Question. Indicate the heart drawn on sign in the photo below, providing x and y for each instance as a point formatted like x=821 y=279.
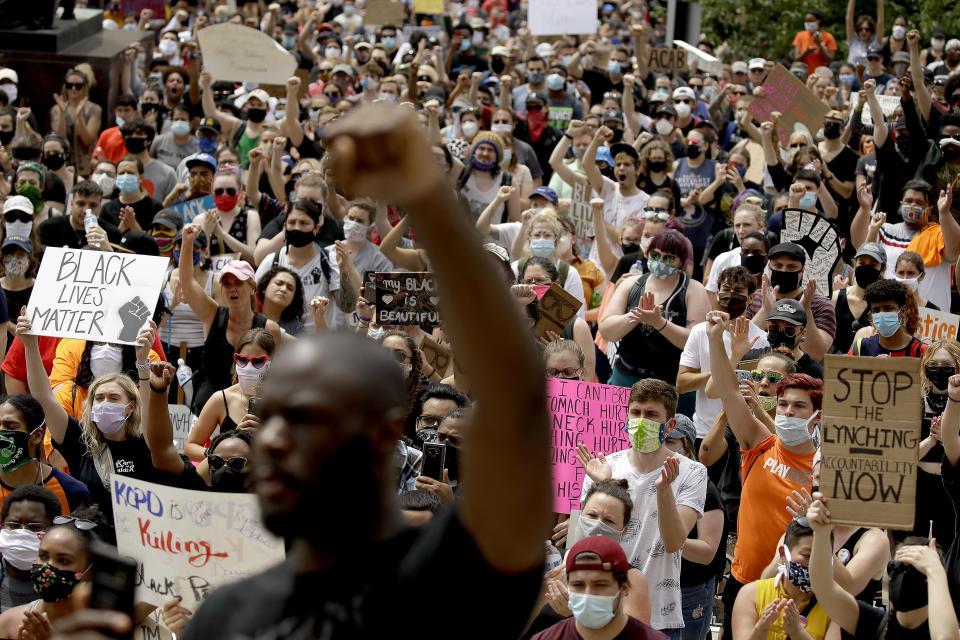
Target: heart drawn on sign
x=387 y=298
x=434 y=300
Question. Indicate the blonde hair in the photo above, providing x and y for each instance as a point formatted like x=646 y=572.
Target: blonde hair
x=756 y=210
x=951 y=346
x=561 y=345
x=548 y=218
x=91 y=436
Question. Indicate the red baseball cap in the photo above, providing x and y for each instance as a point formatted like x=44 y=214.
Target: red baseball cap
x=612 y=557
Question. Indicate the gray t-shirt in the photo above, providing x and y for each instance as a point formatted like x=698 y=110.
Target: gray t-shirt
x=164 y=179
x=166 y=150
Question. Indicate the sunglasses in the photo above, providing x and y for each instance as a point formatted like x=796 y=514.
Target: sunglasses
x=83 y=525
x=569 y=372
x=73 y=85
x=790 y=332
x=867 y=29
x=683 y=101
x=656 y=214
x=695 y=87
x=739 y=93
x=14 y=216
x=230 y=191
x=534 y=107
x=796 y=145
x=665 y=258
x=256 y=361
x=772 y=376
x=237 y=463
x=34 y=527
x=424 y=79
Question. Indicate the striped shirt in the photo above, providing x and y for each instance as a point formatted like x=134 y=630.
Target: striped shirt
x=824 y=314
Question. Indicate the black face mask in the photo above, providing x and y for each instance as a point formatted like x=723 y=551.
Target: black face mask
x=939 y=377
x=754 y=262
x=866 y=276
x=908 y=587
x=135 y=145
x=778 y=338
x=227 y=480
x=617 y=135
x=657 y=167
x=694 y=151
x=256 y=115
x=787 y=280
x=733 y=303
x=53 y=161
x=298 y=238
x=497 y=65
x=629 y=247
x=831 y=130
x=6 y=137
x=147 y=107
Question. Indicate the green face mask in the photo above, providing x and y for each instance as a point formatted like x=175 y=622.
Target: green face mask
x=646 y=435
x=33 y=194
x=768 y=402
x=14 y=449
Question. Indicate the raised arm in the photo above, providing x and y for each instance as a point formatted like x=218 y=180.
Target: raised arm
x=559 y=152
x=291 y=126
x=408 y=259
x=157 y=428
x=202 y=304
x=920 y=92
x=589 y=161
x=483 y=222
x=508 y=510
x=39 y=382
x=714 y=444
x=837 y=603
x=227 y=121
x=851 y=27
x=601 y=236
x=949 y=226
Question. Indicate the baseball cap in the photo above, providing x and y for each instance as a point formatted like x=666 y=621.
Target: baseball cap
x=260 y=95
x=799 y=67
x=684 y=92
x=603 y=155
x=874 y=250
x=536 y=96
x=168 y=218
x=684 y=431
x=546 y=192
x=544 y=49
x=345 y=68
x=363 y=44
x=9 y=74
x=500 y=50
x=140 y=242
x=874 y=51
x=612 y=557
x=952 y=43
x=901 y=56
x=18 y=203
x=17 y=241
x=667 y=109
x=657 y=96
x=202 y=158
x=756 y=63
x=788 y=310
x=739 y=67
x=622 y=147
x=210 y=124
x=789 y=249
x=238 y=269
x=612 y=114
x=938 y=32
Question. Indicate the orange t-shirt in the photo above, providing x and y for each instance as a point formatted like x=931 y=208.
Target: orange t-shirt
x=769 y=474
x=804 y=40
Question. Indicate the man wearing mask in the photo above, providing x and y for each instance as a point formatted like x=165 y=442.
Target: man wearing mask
x=665 y=128
x=839 y=164
x=28 y=511
x=693 y=174
x=875 y=69
x=245 y=134
x=537 y=131
x=172 y=147
x=536 y=70
x=365 y=255
x=387 y=36
x=684 y=102
x=678 y=484
x=110 y=143
x=577 y=144
x=208 y=141
x=499 y=57
x=785 y=331
x=893 y=316
x=451 y=433
x=465 y=58
x=132 y=209
x=158 y=178
x=563 y=106
x=581 y=66
x=787 y=261
x=68 y=230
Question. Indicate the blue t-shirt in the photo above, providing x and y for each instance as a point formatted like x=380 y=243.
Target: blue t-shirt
x=697 y=220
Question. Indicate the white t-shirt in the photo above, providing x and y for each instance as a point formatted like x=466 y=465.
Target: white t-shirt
x=642 y=541
x=507 y=233
x=315 y=283
x=617 y=209
x=696 y=355
x=368 y=258
x=723 y=261
x=935 y=285
x=572 y=285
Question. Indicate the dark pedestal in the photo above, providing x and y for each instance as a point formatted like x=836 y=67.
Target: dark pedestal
x=65 y=33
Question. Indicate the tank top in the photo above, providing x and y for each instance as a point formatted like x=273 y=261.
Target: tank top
x=847 y=325
x=237 y=230
x=813 y=617
x=218 y=354
x=644 y=351
x=932 y=407
x=228 y=423
x=478 y=200
x=845 y=554
x=183 y=324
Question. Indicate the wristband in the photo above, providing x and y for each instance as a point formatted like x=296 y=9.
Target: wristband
x=156 y=390
x=665 y=323
x=364 y=319
x=144 y=366
x=951 y=399
x=568 y=136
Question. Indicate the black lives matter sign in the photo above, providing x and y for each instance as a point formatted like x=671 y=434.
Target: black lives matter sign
x=407 y=298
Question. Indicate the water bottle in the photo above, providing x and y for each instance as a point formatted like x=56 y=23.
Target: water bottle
x=185 y=380
x=553 y=557
x=637 y=268
x=89 y=221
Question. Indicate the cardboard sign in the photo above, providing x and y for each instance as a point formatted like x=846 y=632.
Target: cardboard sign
x=437 y=355
x=580 y=212
x=871 y=433
x=187 y=543
x=662 y=59
x=239 y=53
x=588 y=413
x=705 y=62
x=820 y=238
x=888 y=104
x=937 y=325
x=559 y=17
x=385 y=12
x=428 y=6
x=407 y=298
x=556 y=309
x=800 y=109
x=183 y=422
x=92 y=295
x=219 y=261
x=192 y=208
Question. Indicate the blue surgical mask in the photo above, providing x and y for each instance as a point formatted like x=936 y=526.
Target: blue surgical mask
x=180 y=127
x=661 y=270
x=176 y=257
x=389 y=42
x=542 y=247
x=886 y=323
x=118 y=120
x=464 y=44
x=207 y=145
x=614 y=67
x=289 y=42
x=555 y=82
x=592 y=611
x=127 y=183
x=808 y=200
x=847 y=79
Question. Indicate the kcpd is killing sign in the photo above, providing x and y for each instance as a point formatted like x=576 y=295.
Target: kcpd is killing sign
x=871 y=435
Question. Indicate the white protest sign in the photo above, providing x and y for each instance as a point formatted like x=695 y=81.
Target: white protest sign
x=937 y=325
x=239 y=53
x=705 y=62
x=95 y=295
x=560 y=17
x=888 y=104
x=219 y=261
x=187 y=543
x=820 y=240
x=182 y=421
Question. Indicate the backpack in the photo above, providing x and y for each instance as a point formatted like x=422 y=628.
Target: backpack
x=324 y=262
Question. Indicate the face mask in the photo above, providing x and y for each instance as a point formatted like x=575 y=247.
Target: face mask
x=657 y=167
x=646 y=435
x=6 y=136
x=120 y=121
x=899 y=31
x=19 y=547
x=15 y=266
x=354 y=231
x=109 y=417
x=847 y=79
x=180 y=128
x=497 y=65
x=33 y=194
x=939 y=377
x=134 y=145
x=555 y=82
x=798 y=574
x=767 y=403
x=389 y=42
x=810 y=26
x=793 y=431
x=754 y=263
x=256 y=115
x=53 y=161
x=14 y=449
x=53 y=584
x=105 y=182
x=469 y=128
x=913 y=283
x=661 y=270
x=866 y=275
x=227 y=480
x=331 y=52
x=207 y=145
x=196 y=257
x=593 y=612
x=887 y=323
x=732 y=303
x=200 y=184
x=375 y=334
x=578 y=152
x=18 y=228
x=167 y=47
x=629 y=247
x=371 y=84
x=937 y=43
x=11 y=91
x=777 y=338
x=831 y=130
x=663 y=126
x=128 y=183
x=683 y=110
x=104 y=359
x=807 y=200
x=912 y=214
x=535 y=77
x=694 y=151
x=617 y=135
x=589 y=527
x=507 y=156
x=899 y=69
x=501 y=129
x=613 y=67
x=289 y=42
x=298 y=238
x=387 y=97
x=249 y=376
x=908 y=589
x=787 y=280
x=226 y=202
x=542 y=247
x=464 y=45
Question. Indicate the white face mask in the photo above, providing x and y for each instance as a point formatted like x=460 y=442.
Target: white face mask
x=19 y=547
x=794 y=431
x=913 y=283
x=470 y=128
x=354 y=231
x=249 y=376
x=663 y=126
x=589 y=527
x=810 y=26
x=683 y=109
x=386 y=97
x=501 y=129
x=375 y=334
x=11 y=91
x=168 y=47
x=104 y=359
x=18 y=228
x=331 y=52
x=899 y=31
x=105 y=181
x=937 y=43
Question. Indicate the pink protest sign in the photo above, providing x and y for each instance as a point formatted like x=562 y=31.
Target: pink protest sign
x=784 y=92
x=588 y=413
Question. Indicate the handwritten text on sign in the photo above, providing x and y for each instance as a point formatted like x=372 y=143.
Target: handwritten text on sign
x=407 y=298
x=783 y=92
x=937 y=325
x=588 y=413
x=93 y=295
x=871 y=433
x=239 y=53
x=192 y=208
x=189 y=542
x=182 y=421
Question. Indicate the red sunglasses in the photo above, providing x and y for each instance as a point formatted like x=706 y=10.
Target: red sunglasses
x=256 y=361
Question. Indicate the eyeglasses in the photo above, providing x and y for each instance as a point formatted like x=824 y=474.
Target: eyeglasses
x=569 y=372
x=73 y=85
x=663 y=257
x=656 y=214
x=237 y=463
x=429 y=421
x=35 y=527
x=83 y=525
x=542 y=281
x=14 y=216
x=772 y=376
x=796 y=145
x=401 y=356
x=230 y=191
x=865 y=28
x=256 y=361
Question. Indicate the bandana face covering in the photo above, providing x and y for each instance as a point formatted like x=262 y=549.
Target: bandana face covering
x=798 y=574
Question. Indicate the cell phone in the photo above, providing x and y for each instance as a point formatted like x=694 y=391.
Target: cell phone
x=743 y=376
x=370 y=292
x=112 y=583
x=255 y=405
x=434 y=459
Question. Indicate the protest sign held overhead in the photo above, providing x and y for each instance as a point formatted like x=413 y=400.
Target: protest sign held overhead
x=820 y=240
x=187 y=543
x=580 y=212
x=237 y=53
x=661 y=60
x=937 y=325
x=558 y=17
x=407 y=298
x=93 y=295
x=870 y=435
x=797 y=105
x=182 y=420
x=556 y=309
x=192 y=208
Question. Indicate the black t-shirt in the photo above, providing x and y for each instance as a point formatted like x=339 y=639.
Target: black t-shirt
x=425 y=581
x=54 y=189
x=599 y=82
x=951 y=483
x=471 y=62
x=58 y=232
x=694 y=573
x=809 y=366
x=874 y=623
x=144 y=210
